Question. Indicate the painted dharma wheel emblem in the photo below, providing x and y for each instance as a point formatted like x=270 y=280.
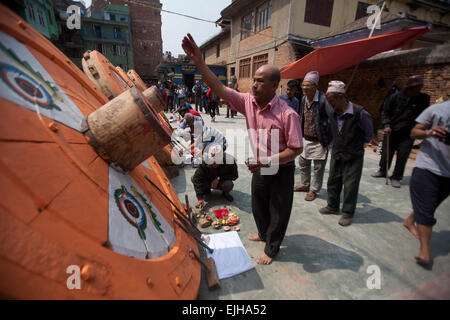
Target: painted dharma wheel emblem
x=135 y=208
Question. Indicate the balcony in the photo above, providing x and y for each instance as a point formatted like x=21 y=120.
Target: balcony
x=105 y=35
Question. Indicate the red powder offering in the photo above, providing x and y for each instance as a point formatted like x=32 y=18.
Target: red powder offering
x=220 y=213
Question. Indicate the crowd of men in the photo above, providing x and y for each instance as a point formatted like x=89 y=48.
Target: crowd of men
x=310 y=128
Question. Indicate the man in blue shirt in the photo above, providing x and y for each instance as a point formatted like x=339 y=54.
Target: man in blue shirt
x=289 y=97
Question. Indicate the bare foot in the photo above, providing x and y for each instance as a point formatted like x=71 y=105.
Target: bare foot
x=423 y=258
x=254 y=237
x=409 y=224
x=264 y=259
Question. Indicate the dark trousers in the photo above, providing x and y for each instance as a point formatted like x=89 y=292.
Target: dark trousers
x=212 y=109
x=203 y=188
x=272 y=197
x=427 y=191
x=198 y=103
x=205 y=104
x=345 y=174
x=170 y=100
x=233 y=113
x=402 y=143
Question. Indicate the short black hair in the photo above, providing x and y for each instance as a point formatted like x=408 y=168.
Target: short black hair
x=292 y=84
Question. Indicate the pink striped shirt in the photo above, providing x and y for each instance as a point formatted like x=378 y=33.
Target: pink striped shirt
x=275 y=115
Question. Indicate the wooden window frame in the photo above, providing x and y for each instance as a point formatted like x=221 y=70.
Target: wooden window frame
x=259 y=61
x=244 y=68
x=262 y=17
x=319 y=12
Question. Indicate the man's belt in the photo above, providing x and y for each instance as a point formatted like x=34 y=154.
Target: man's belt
x=315 y=139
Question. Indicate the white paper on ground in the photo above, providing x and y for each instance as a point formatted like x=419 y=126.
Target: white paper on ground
x=229 y=254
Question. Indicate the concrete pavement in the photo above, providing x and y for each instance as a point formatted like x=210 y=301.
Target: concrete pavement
x=320 y=259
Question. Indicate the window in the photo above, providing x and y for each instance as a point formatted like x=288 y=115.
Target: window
x=41 y=17
x=117 y=34
x=112 y=17
x=50 y=17
x=232 y=71
x=218 y=50
x=31 y=11
x=100 y=48
x=244 y=68
x=361 y=10
x=122 y=51
x=119 y=50
x=247 y=24
x=319 y=12
x=97 y=31
x=257 y=20
x=263 y=16
x=259 y=61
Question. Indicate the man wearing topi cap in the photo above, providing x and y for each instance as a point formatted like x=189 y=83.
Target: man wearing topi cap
x=314 y=110
x=351 y=127
x=398 y=118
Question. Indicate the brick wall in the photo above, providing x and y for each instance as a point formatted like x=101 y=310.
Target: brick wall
x=211 y=52
x=280 y=58
x=364 y=89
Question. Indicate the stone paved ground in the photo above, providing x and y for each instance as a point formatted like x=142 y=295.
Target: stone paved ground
x=320 y=259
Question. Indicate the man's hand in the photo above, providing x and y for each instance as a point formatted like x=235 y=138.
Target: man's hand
x=438 y=132
x=387 y=129
x=255 y=167
x=200 y=204
x=215 y=183
x=192 y=50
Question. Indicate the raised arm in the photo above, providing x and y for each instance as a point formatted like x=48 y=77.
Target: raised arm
x=194 y=53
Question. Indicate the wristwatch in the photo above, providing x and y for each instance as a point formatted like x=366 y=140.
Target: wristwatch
x=268 y=163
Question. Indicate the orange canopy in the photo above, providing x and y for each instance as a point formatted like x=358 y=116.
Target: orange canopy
x=329 y=60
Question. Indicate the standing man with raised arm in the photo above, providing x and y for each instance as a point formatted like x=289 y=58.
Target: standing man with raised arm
x=272 y=195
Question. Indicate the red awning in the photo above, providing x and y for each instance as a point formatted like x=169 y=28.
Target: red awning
x=329 y=60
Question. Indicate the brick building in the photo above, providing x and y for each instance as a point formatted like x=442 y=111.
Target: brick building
x=145 y=19
x=376 y=75
x=280 y=32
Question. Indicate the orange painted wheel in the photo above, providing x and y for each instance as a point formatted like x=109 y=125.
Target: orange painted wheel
x=132 y=74
x=124 y=77
x=103 y=74
x=66 y=213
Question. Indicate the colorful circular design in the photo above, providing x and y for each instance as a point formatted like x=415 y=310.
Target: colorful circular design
x=26 y=86
x=131 y=209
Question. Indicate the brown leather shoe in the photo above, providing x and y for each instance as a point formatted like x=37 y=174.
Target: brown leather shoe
x=301 y=188
x=310 y=196
x=345 y=220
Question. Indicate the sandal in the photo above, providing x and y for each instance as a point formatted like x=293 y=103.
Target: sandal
x=310 y=196
x=301 y=188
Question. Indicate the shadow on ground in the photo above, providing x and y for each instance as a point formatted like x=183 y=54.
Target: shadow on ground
x=244 y=282
x=373 y=214
x=318 y=255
